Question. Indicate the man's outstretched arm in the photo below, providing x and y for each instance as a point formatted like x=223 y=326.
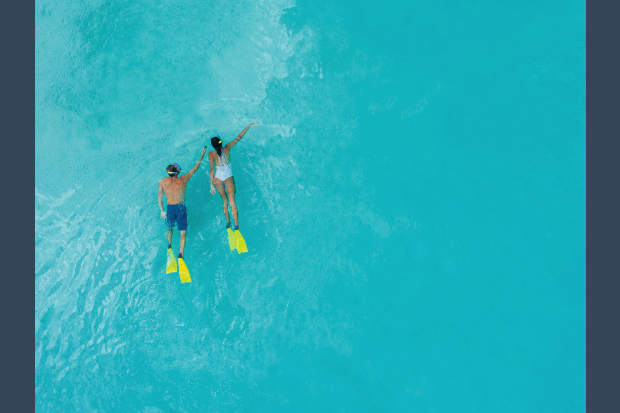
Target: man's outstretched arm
x=195 y=168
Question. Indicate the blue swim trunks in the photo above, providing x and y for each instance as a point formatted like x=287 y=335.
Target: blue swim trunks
x=177 y=213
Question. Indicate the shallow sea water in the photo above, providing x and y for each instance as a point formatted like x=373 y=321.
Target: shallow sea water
x=413 y=202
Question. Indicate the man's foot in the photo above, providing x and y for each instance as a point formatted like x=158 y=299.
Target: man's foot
x=228 y=225
x=236 y=227
x=169 y=246
x=180 y=255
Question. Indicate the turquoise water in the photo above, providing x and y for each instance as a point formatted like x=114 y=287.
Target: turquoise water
x=413 y=202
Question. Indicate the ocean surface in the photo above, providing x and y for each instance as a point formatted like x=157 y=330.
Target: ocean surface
x=413 y=202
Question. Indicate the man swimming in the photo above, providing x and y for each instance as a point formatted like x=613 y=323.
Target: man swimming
x=221 y=174
x=174 y=187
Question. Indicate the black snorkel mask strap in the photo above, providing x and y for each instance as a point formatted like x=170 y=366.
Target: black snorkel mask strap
x=178 y=170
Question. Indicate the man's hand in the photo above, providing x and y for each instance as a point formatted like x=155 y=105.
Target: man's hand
x=192 y=171
x=163 y=214
x=254 y=124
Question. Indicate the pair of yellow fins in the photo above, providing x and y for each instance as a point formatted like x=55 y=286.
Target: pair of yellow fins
x=235 y=241
x=171 y=266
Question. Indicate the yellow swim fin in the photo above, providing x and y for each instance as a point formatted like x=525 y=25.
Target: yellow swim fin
x=232 y=239
x=171 y=262
x=241 y=247
x=184 y=272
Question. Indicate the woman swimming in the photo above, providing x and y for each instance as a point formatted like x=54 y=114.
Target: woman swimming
x=222 y=175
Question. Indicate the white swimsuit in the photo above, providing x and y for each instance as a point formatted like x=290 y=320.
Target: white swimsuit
x=223 y=171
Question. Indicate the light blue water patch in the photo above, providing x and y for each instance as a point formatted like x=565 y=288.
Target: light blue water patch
x=413 y=202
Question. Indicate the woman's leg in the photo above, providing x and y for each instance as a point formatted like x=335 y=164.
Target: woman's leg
x=232 y=191
x=219 y=185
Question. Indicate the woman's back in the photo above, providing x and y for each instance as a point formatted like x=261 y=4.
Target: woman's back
x=221 y=161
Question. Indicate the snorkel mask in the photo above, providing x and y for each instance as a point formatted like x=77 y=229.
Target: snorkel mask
x=175 y=172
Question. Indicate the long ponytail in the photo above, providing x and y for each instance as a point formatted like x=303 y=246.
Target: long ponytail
x=216 y=142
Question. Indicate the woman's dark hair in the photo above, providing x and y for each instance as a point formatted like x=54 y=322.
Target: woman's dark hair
x=216 y=142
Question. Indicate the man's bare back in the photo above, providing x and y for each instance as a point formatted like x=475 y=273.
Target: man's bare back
x=174 y=188
x=174 y=185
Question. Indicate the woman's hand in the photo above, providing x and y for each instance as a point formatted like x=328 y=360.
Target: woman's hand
x=212 y=190
x=233 y=143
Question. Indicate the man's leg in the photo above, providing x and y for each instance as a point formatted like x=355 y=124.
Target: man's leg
x=170 y=220
x=182 y=243
x=182 y=223
x=169 y=236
